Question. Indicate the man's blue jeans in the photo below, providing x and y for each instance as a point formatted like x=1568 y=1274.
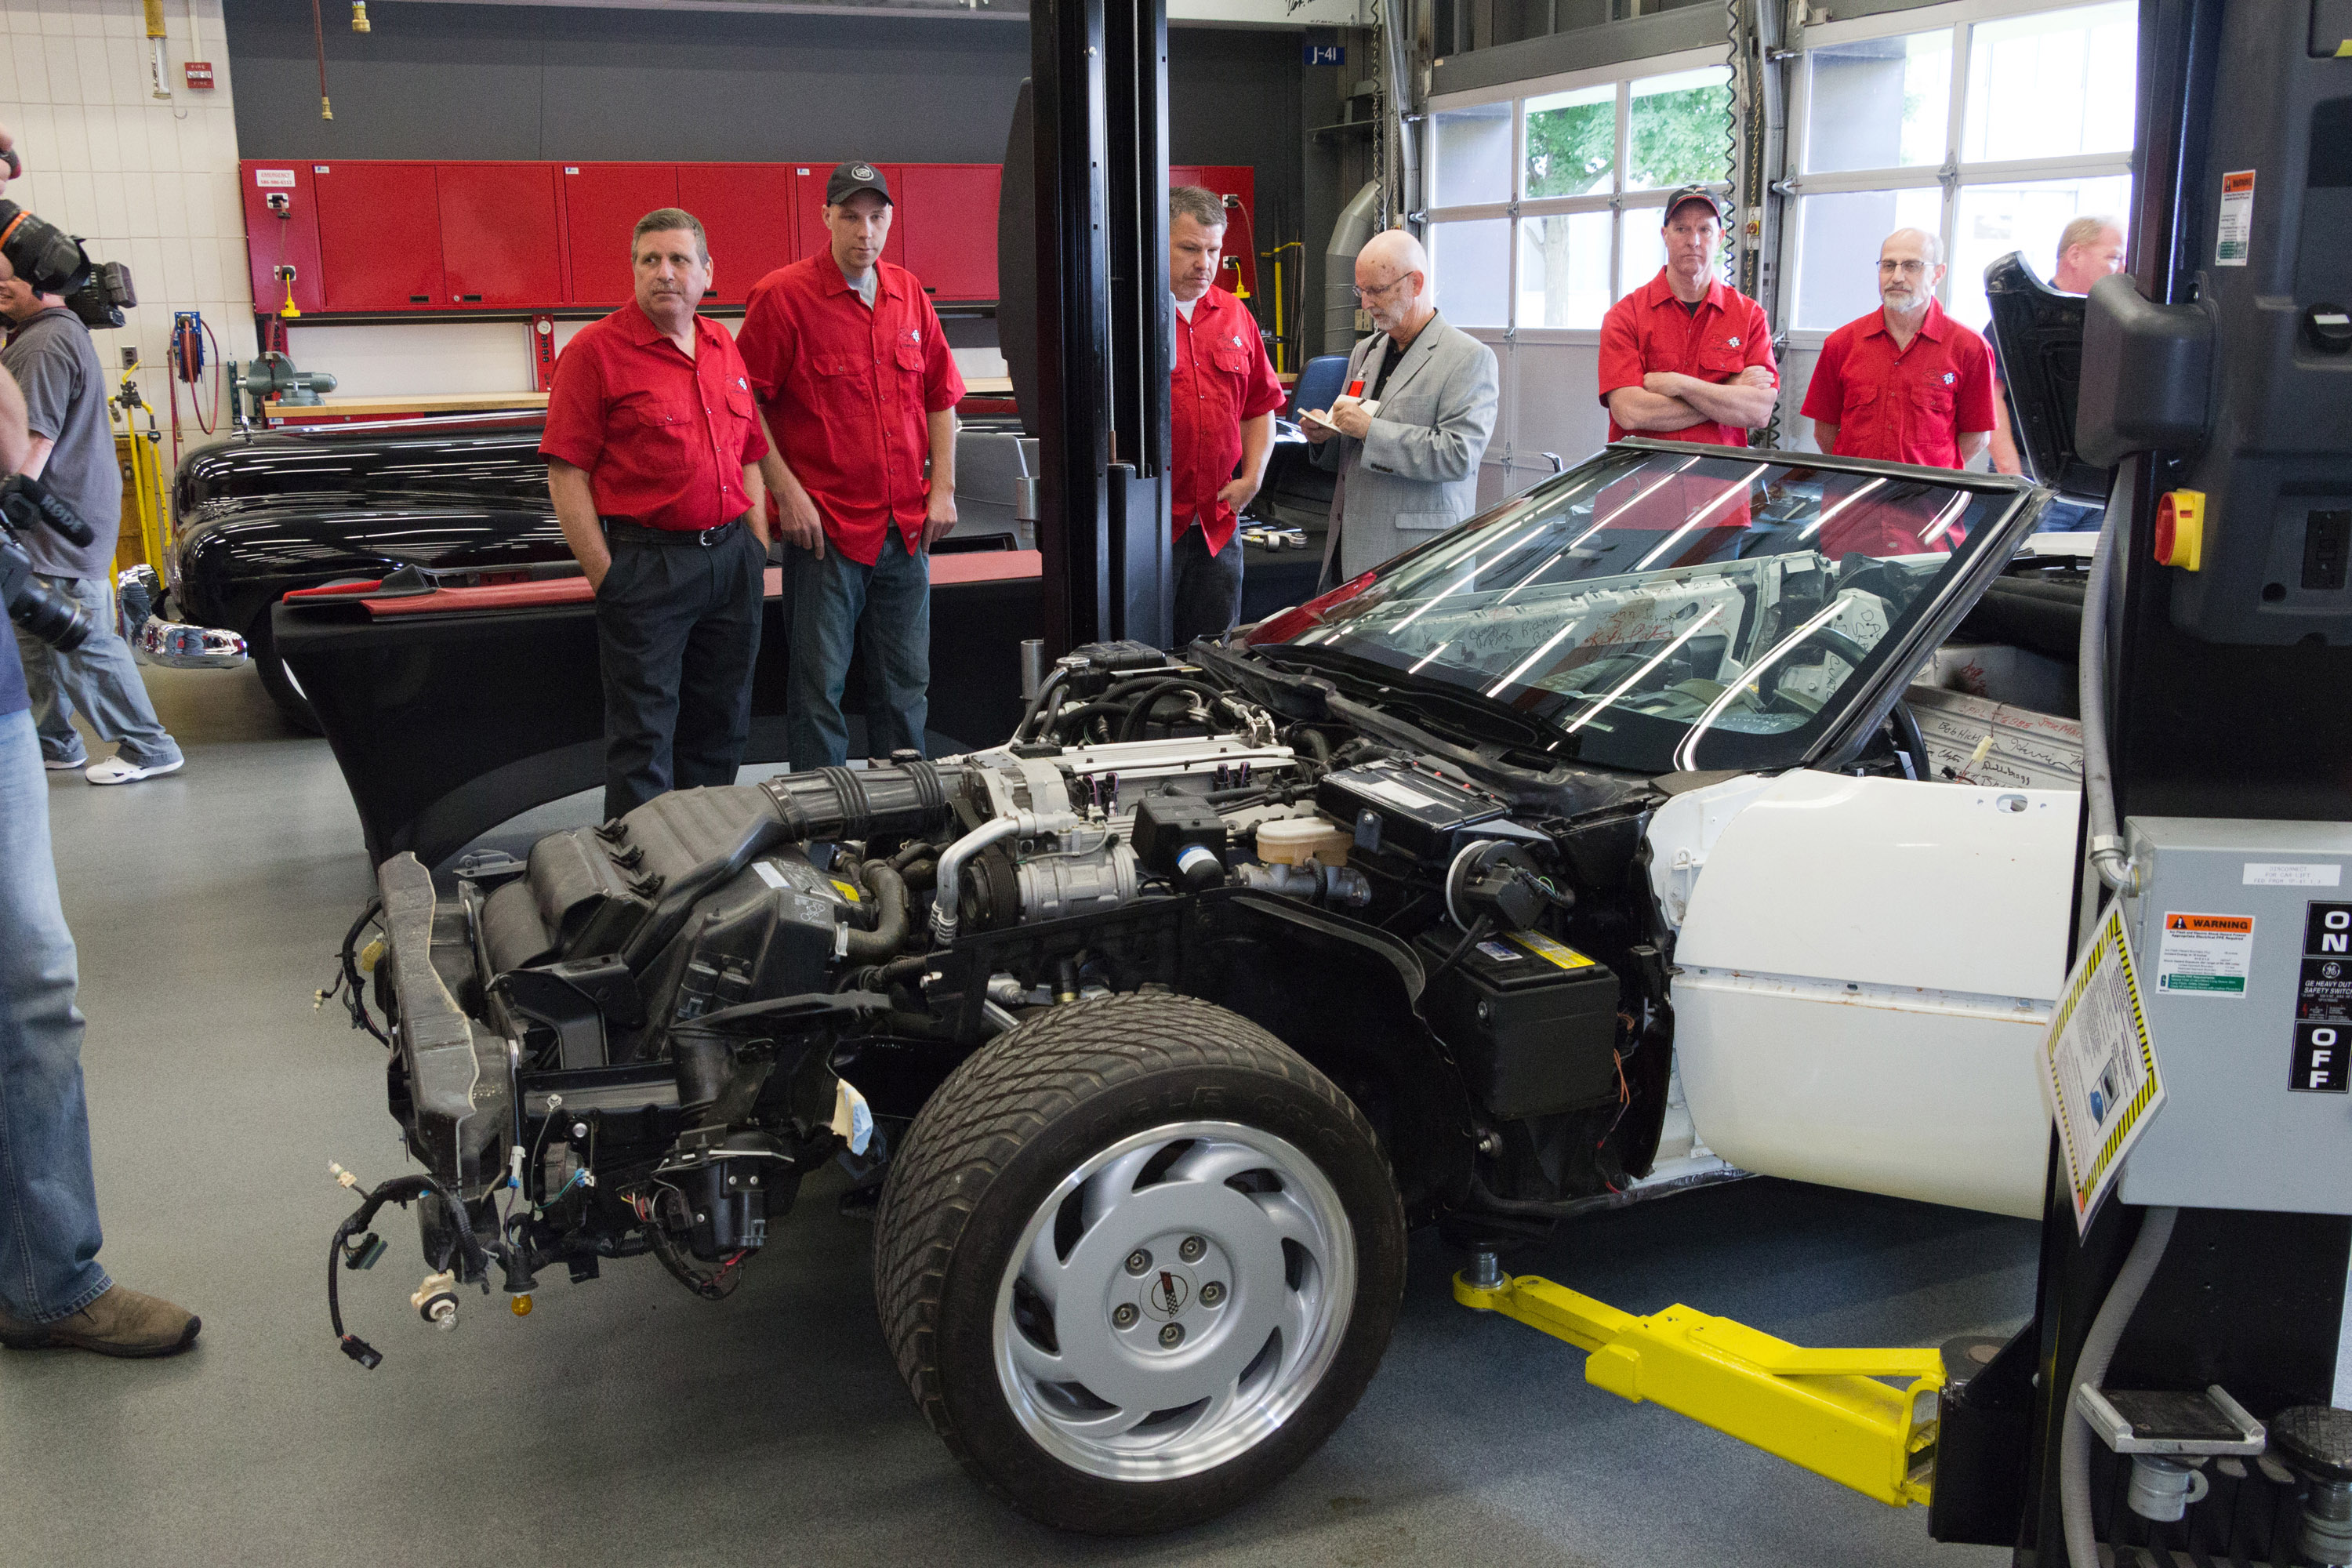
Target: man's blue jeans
x=883 y=611
x=48 y=1201
x=101 y=679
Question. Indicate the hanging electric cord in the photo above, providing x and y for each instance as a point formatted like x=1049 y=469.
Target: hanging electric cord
x=348 y=983
x=2107 y=853
x=2091 y=1367
x=319 y=31
x=403 y=1191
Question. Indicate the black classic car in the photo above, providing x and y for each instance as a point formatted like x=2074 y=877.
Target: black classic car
x=263 y=515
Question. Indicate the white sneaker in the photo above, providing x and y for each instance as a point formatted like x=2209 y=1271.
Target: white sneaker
x=114 y=771
x=57 y=767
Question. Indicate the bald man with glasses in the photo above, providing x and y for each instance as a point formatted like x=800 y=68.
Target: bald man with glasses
x=1906 y=382
x=1407 y=441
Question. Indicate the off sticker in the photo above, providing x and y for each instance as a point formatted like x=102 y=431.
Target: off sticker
x=2323 y=1054
x=1559 y=952
x=2233 y=241
x=2205 y=955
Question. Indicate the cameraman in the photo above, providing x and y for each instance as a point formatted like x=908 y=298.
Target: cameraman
x=52 y=1291
x=49 y=352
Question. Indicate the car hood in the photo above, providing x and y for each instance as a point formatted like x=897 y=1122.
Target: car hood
x=2038 y=331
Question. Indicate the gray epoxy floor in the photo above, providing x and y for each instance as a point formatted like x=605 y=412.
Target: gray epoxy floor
x=626 y=1423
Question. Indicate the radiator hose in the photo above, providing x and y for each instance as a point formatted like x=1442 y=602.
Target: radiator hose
x=889 y=932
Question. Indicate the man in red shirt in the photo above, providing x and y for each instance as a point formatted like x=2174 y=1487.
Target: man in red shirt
x=1906 y=384
x=1684 y=356
x=1221 y=404
x=653 y=447
x=858 y=392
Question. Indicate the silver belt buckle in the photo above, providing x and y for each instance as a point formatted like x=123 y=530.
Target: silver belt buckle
x=703 y=538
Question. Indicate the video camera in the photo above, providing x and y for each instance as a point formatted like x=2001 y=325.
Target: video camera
x=54 y=262
x=32 y=603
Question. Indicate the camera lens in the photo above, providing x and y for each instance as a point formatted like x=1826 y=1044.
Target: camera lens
x=50 y=616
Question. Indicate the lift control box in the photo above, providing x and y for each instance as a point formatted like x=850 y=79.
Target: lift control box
x=2241 y=939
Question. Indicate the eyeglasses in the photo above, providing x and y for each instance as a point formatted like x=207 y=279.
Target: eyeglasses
x=1910 y=268
x=1365 y=296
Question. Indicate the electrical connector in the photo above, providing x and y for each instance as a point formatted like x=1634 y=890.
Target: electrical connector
x=359 y=1350
x=363 y=1252
x=342 y=1178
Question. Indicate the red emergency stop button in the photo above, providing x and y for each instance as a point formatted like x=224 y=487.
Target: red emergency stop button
x=2180 y=530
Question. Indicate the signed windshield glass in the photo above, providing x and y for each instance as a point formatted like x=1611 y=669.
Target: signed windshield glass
x=1665 y=611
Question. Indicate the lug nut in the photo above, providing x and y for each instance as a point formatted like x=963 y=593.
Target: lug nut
x=1123 y=1315
x=1139 y=1262
x=1172 y=1335
x=1212 y=1294
x=1192 y=1248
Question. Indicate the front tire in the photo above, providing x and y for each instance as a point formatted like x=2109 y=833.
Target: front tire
x=1136 y=1261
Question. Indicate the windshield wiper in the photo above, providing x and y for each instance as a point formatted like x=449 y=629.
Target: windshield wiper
x=1483 y=718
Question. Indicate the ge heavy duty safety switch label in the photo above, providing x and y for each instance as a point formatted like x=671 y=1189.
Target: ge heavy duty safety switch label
x=2205 y=955
x=2322 y=1004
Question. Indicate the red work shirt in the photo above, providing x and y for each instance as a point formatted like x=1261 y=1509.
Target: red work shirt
x=1907 y=404
x=1650 y=329
x=1221 y=378
x=848 y=390
x=664 y=439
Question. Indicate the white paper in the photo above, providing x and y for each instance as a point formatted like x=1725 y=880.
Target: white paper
x=2260 y=874
x=768 y=874
x=2099 y=1079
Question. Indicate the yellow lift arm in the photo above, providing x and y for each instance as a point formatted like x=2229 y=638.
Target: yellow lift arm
x=1826 y=1410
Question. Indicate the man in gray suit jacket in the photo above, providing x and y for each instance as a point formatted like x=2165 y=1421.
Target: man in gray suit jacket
x=1410 y=470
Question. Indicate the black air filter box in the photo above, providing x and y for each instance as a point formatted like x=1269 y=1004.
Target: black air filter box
x=1532 y=1023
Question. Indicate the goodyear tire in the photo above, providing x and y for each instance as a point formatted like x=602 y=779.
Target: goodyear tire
x=1137 y=1259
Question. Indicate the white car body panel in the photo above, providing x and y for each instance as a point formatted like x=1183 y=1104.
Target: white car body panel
x=1864 y=970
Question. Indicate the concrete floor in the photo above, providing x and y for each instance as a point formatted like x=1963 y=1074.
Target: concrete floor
x=626 y=1423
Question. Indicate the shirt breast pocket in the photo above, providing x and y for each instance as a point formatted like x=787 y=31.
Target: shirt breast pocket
x=1720 y=359
x=1861 y=405
x=910 y=356
x=654 y=419
x=843 y=383
x=1231 y=360
x=1933 y=399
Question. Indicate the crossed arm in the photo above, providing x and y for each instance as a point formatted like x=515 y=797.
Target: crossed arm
x=1667 y=401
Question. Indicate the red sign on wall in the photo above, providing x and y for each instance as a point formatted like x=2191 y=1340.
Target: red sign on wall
x=200 y=75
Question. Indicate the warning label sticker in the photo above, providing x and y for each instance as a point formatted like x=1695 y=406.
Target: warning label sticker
x=2205 y=955
x=2099 y=1081
x=1560 y=953
x=2234 y=239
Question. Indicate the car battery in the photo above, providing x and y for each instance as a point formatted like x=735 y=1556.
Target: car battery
x=1531 y=1022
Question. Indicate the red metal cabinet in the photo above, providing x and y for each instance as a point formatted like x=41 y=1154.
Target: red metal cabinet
x=809 y=183
x=747 y=210
x=602 y=205
x=950 y=214
x=499 y=244
x=379 y=236
x=292 y=238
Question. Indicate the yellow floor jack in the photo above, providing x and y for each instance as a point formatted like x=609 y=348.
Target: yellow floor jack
x=1831 y=1411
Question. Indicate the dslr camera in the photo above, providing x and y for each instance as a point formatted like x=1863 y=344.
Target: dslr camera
x=32 y=604
x=54 y=262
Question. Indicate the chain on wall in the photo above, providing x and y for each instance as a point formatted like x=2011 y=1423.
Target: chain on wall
x=1378 y=36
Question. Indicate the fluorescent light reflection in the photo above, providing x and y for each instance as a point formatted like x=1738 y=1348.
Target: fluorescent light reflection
x=1689 y=748
x=1737 y=491
x=1655 y=660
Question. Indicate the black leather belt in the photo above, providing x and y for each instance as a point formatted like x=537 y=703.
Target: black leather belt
x=620 y=531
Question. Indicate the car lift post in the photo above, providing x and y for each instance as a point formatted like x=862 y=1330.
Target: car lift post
x=1104 y=331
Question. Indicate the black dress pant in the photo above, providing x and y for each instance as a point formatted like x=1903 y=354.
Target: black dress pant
x=677 y=630
x=1208 y=599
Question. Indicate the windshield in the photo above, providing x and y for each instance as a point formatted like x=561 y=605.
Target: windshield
x=1660 y=611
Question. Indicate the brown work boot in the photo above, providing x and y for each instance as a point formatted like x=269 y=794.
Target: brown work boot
x=121 y=1324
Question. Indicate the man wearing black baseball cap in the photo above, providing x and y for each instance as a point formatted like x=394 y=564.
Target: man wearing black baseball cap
x=858 y=392
x=1685 y=355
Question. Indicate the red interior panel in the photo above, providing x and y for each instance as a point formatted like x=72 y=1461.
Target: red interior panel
x=747 y=210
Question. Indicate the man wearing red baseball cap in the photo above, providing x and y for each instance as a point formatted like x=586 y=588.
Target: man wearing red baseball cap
x=1685 y=356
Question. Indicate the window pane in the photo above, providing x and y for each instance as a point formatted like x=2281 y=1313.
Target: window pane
x=2052 y=85
x=1680 y=130
x=1472 y=263
x=1837 y=249
x=1564 y=269
x=1573 y=142
x=1885 y=103
x=1473 y=155
x=1640 y=248
x=1997 y=219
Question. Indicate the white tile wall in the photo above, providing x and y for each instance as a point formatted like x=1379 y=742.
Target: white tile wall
x=147 y=182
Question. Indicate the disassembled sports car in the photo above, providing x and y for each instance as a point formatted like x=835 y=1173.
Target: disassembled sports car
x=1587 y=852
